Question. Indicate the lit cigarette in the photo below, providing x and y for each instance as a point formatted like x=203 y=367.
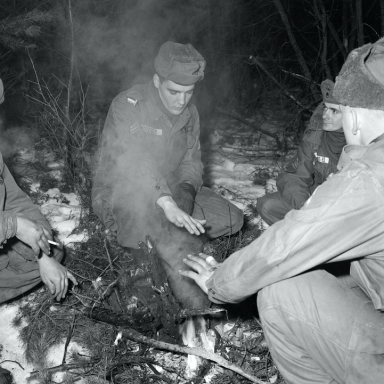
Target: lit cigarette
x=53 y=242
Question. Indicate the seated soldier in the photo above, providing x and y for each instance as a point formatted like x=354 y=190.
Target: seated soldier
x=319 y=328
x=25 y=255
x=150 y=167
x=316 y=159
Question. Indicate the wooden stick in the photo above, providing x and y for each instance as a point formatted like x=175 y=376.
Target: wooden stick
x=136 y=336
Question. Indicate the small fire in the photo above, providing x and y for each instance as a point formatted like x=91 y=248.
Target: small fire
x=194 y=334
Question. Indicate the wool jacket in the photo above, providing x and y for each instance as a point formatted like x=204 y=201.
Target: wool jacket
x=310 y=167
x=342 y=220
x=14 y=202
x=141 y=145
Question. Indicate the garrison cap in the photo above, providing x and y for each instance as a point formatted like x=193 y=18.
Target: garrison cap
x=360 y=83
x=180 y=63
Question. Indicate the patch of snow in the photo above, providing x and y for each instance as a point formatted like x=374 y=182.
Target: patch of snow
x=13 y=349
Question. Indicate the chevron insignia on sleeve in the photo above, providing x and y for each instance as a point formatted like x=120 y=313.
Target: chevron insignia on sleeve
x=132 y=101
x=134 y=127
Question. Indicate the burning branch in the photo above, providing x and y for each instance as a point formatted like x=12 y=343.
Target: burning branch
x=136 y=336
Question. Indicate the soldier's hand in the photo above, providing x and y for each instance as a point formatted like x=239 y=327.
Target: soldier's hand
x=203 y=268
x=178 y=217
x=55 y=276
x=33 y=234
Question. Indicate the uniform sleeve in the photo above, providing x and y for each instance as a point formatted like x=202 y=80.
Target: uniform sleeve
x=124 y=152
x=18 y=203
x=191 y=167
x=309 y=237
x=295 y=188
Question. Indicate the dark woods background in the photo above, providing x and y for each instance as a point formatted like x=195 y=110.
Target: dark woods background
x=63 y=61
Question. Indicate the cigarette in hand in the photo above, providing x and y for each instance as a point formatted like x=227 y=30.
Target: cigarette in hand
x=53 y=242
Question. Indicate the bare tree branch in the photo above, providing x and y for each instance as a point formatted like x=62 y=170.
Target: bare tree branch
x=295 y=46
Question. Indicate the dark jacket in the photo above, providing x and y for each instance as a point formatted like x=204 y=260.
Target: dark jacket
x=141 y=146
x=312 y=165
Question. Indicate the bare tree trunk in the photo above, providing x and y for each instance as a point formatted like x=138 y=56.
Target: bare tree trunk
x=67 y=133
x=295 y=46
x=345 y=25
x=353 y=25
x=332 y=30
x=382 y=16
x=322 y=18
x=360 y=25
x=71 y=62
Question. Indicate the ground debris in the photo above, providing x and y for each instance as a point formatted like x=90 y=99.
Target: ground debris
x=138 y=354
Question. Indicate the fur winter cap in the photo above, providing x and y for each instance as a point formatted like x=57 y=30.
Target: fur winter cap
x=360 y=83
x=327 y=92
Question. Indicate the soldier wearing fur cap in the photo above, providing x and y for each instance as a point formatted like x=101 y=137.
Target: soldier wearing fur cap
x=321 y=328
x=316 y=158
x=150 y=157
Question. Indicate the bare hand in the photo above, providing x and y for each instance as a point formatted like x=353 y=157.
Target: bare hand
x=55 y=276
x=34 y=234
x=204 y=267
x=178 y=217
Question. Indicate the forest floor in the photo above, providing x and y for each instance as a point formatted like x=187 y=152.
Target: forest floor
x=47 y=342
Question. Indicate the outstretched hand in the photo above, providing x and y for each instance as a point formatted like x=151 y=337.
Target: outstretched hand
x=180 y=218
x=204 y=267
x=55 y=276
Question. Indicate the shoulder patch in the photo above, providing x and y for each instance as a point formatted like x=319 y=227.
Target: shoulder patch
x=132 y=101
x=134 y=127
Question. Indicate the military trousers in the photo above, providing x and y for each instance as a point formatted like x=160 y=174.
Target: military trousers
x=322 y=330
x=19 y=271
x=272 y=208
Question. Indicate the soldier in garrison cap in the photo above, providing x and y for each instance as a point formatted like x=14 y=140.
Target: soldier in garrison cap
x=316 y=158
x=150 y=157
x=323 y=328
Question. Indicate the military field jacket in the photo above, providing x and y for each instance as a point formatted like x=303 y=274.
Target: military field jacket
x=310 y=167
x=342 y=220
x=140 y=144
x=14 y=202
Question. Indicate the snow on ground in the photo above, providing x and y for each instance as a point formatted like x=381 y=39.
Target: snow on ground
x=231 y=173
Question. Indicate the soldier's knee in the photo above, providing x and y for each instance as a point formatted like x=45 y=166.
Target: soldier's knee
x=237 y=218
x=264 y=205
x=280 y=294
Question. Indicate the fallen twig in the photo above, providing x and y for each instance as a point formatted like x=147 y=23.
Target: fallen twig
x=115 y=289
x=136 y=336
x=69 y=336
x=12 y=361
